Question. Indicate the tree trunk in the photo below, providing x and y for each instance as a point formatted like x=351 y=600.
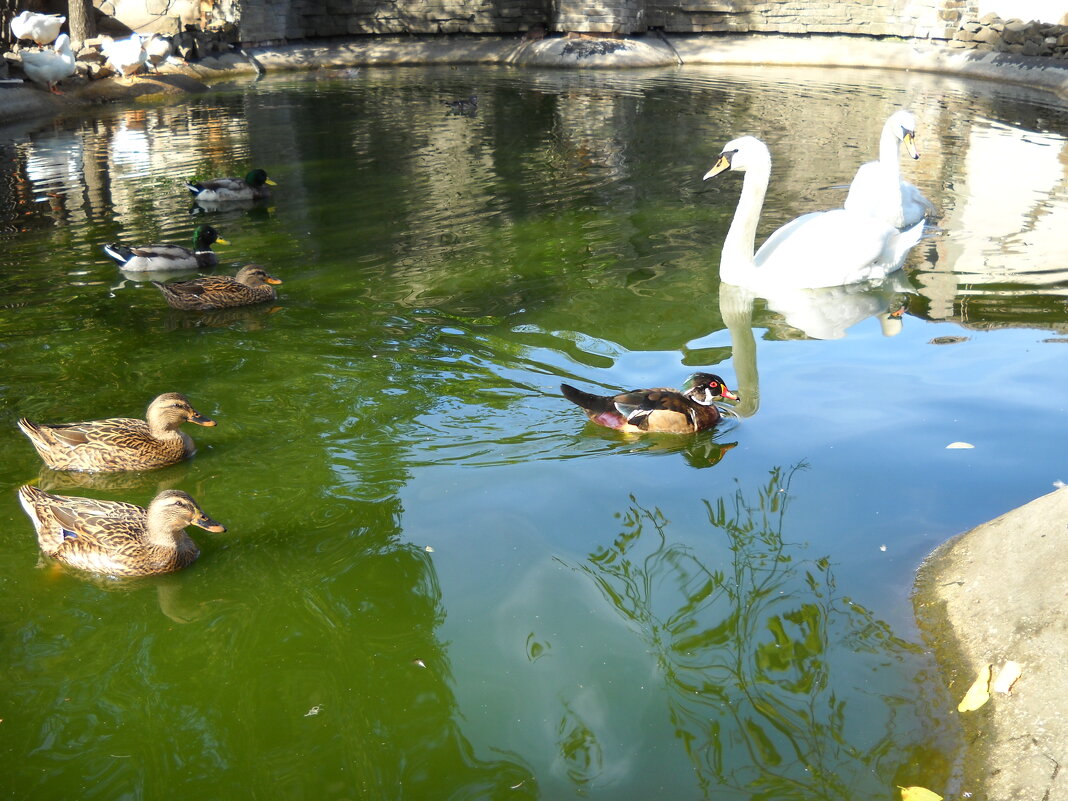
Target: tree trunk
x=81 y=21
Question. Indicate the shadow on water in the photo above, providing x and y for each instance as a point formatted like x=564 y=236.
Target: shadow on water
x=777 y=686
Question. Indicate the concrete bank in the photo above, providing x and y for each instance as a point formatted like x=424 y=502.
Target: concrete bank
x=19 y=103
x=998 y=593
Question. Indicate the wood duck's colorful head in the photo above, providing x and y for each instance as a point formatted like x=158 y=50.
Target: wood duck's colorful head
x=704 y=388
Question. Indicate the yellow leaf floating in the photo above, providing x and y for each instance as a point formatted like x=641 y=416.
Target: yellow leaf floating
x=1007 y=677
x=978 y=694
x=918 y=794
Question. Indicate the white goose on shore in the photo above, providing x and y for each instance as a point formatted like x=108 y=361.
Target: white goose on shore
x=41 y=28
x=48 y=67
x=126 y=56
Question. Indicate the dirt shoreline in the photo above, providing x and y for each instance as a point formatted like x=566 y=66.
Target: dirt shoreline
x=973 y=610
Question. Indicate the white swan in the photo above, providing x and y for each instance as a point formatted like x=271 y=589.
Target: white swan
x=42 y=28
x=825 y=248
x=49 y=66
x=877 y=188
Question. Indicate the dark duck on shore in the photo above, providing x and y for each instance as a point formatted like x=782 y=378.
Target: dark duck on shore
x=661 y=409
x=115 y=538
x=160 y=258
x=254 y=186
x=251 y=285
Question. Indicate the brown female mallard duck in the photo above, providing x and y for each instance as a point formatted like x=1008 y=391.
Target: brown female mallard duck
x=659 y=409
x=251 y=285
x=115 y=538
x=157 y=258
x=119 y=443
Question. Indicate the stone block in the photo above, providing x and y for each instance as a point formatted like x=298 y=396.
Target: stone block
x=988 y=36
x=964 y=36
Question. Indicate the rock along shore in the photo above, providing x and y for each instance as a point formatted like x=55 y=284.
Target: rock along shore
x=993 y=593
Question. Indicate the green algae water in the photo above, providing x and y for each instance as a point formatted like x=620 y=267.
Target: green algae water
x=440 y=582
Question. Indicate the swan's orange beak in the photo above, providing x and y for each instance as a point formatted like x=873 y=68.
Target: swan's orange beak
x=723 y=163
x=910 y=144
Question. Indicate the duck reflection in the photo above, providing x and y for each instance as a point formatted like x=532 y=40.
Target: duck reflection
x=151 y=482
x=247 y=318
x=767 y=672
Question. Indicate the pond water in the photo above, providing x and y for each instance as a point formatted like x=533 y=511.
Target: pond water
x=439 y=581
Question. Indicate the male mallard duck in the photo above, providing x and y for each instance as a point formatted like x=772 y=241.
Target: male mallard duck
x=119 y=443
x=251 y=285
x=660 y=409
x=252 y=187
x=115 y=538
x=152 y=258
x=126 y=56
x=42 y=28
x=49 y=67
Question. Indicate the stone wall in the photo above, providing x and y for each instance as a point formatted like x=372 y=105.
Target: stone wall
x=958 y=22
x=272 y=20
x=1032 y=38
x=923 y=19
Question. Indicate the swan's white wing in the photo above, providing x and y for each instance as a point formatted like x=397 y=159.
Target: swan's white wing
x=914 y=206
x=877 y=190
x=830 y=248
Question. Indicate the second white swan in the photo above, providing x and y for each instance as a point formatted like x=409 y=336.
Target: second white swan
x=878 y=189
x=825 y=248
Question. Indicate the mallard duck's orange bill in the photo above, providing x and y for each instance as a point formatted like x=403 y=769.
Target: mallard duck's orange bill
x=272 y=280
x=201 y=420
x=208 y=524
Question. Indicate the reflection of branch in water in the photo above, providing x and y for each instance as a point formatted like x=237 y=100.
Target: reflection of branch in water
x=759 y=658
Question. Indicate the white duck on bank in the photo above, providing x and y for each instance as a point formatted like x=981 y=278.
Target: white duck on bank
x=825 y=248
x=877 y=188
x=158 y=49
x=41 y=28
x=48 y=67
x=126 y=56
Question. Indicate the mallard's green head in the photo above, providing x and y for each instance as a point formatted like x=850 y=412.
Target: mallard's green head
x=205 y=236
x=258 y=178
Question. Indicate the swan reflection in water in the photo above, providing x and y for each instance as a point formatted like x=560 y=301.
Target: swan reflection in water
x=825 y=313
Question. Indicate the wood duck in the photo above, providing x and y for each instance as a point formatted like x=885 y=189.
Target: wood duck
x=251 y=285
x=159 y=258
x=119 y=443
x=659 y=409
x=116 y=538
x=253 y=186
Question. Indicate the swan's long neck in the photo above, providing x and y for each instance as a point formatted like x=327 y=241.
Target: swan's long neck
x=739 y=245
x=890 y=149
